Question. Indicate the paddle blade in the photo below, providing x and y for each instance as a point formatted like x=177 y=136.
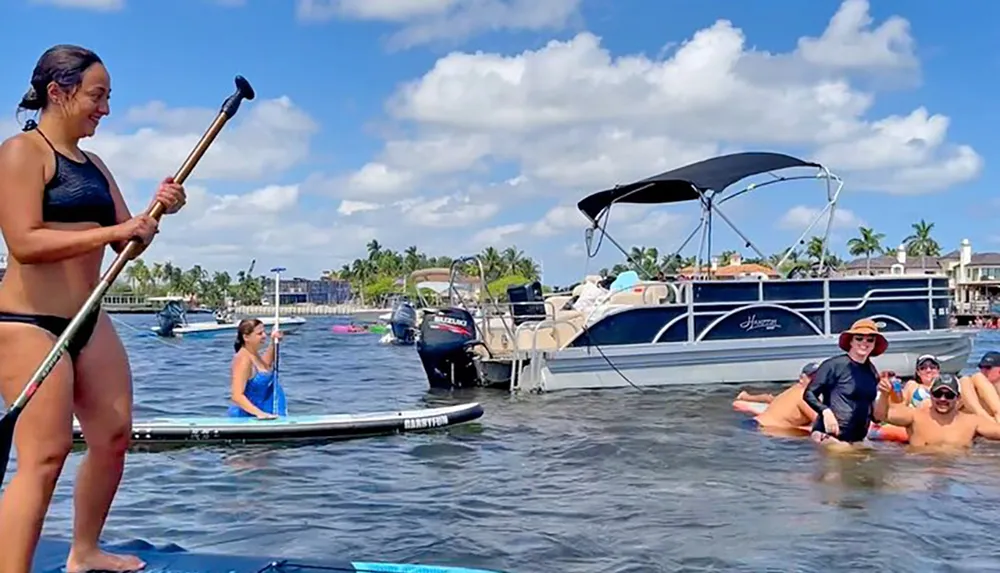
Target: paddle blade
x=7 y=424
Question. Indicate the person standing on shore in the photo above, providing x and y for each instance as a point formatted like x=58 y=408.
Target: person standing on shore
x=61 y=208
x=844 y=388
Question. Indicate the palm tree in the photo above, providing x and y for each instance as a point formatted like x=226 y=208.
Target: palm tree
x=868 y=243
x=921 y=244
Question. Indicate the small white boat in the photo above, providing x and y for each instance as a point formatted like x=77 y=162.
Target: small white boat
x=172 y=321
x=205 y=327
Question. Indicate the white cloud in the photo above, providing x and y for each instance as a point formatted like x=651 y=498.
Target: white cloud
x=559 y=219
x=265 y=138
x=572 y=114
x=378 y=179
x=848 y=43
x=912 y=152
x=569 y=118
x=799 y=217
x=498 y=235
x=98 y=5
x=348 y=207
x=227 y=230
x=259 y=207
x=425 y=21
x=450 y=211
x=499 y=147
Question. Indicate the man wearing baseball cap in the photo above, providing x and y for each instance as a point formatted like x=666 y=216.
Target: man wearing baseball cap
x=787 y=410
x=979 y=390
x=943 y=423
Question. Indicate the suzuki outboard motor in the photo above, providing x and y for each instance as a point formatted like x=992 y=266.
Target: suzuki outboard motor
x=403 y=322
x=169 y=318
x=445 y=351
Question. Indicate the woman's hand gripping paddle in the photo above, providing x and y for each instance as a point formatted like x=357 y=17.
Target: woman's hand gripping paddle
x=229 y=108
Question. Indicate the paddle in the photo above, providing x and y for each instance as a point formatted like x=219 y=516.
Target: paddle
x=229 y=108
x=277 y=306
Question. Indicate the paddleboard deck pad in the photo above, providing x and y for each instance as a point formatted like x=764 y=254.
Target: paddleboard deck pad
x=876 y=432
x=223 y=429
x=50 y=557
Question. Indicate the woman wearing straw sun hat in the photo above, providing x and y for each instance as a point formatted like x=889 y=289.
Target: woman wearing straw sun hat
x=845 y=386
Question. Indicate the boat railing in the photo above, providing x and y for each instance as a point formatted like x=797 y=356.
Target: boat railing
x=827 y=305
x=532 y=354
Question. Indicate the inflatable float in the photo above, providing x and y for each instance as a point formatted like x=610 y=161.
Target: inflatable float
x=876 y=432
x=51 y=554
x=357 y=329
x=226 y=430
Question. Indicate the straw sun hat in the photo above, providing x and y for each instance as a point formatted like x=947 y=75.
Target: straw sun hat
x=864 y=326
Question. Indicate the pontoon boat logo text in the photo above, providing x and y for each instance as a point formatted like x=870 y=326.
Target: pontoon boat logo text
x=754 y=323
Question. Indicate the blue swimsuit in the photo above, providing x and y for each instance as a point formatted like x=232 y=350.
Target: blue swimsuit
x=260 y=389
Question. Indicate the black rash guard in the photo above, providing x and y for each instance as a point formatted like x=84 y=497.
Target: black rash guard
x=848 y=388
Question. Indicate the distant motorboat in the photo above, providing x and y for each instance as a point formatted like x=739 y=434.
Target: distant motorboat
x=172 y=321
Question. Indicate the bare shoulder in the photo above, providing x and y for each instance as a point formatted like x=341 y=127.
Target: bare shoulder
x=972 y=420
x=21 y=151
x=240 y=359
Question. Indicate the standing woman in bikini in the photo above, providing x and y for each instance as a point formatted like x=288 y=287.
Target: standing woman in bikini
x=59 y=209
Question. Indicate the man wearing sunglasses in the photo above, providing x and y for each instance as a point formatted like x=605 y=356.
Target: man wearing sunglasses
x=943 y=423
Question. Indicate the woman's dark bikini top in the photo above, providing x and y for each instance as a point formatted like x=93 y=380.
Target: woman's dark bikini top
x=78 y=192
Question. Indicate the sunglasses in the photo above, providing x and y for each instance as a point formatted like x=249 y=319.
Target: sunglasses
x=864 y=338
x=944 y=394
x=929 y=367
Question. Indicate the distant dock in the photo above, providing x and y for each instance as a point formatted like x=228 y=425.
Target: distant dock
x=128 y=304
x=132 y=304
x=353 y=310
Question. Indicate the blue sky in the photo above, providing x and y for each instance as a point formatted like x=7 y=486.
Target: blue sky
x=457 y=124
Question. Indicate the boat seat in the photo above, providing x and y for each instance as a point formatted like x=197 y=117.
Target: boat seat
x=498 y=341
x=554 y=304
x=653 y=292
x=571 y=323
x=547 y=339
x=553 y=336
x=626 y=297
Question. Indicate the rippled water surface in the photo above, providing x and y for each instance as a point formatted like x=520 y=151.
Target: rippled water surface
x=609 y=481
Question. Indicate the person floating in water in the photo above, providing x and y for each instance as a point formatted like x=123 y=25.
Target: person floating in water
x=844 y=389
x=254 y=381
x=941 y=424
x=916 y=391
x=788 y=410
x=980 y=394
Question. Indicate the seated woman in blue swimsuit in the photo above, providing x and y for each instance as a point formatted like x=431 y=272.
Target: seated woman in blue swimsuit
x=253 y=380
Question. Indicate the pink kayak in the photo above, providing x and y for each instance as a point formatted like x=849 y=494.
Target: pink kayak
x=348 y=329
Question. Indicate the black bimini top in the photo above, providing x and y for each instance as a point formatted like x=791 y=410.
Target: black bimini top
x=684 y=183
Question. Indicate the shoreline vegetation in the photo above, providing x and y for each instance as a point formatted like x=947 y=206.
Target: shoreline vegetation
x=374 y=279
x=868 y=244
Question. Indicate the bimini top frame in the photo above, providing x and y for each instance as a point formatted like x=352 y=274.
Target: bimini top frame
x=706 y=181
